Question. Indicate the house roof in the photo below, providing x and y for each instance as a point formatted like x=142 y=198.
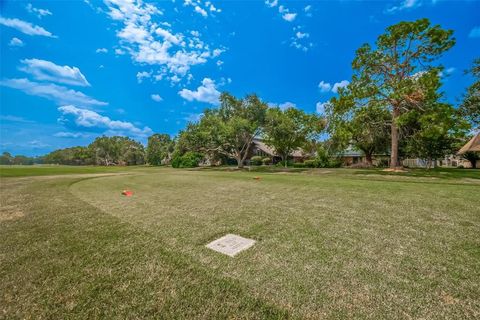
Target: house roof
x=259 y=144
x=472 y=145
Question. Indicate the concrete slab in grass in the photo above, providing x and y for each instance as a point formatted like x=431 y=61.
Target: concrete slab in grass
x=231 y=244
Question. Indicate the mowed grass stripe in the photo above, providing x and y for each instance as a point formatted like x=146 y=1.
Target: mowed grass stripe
x=63 y=258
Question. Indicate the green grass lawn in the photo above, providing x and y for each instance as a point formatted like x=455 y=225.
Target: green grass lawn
x=331 y=243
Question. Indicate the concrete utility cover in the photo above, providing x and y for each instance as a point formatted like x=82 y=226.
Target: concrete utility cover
x=231 y=244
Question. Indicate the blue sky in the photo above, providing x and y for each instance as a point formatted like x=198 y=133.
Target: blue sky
x=74 y=70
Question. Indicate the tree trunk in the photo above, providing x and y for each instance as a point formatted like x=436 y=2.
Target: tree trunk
x=368 y=159
x=395 y=137
x=239 y=161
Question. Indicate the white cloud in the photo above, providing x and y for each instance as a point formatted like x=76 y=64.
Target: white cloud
x=91 y=119
x=219 y=63
x=25 y=27
x=38 y=12
x=167 y=36
x=140 y=36
x=156 y=97
x=11 y=118
x=201 y=11
x=339 y=85
x=207 y=92
x=475 y=32
x=324 y=86
x=406 y=4
x=307 y=8
x=272 y=3
x=287 y=105
x=320 y=107
x=15 y=42
x=49 y=71
x=289 y=17
x=119 y=52
x=59 y=94
x=143 y=75
x=101 y=50
x=63 y=134
x=301 y=35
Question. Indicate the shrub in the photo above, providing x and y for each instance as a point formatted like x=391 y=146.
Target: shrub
x=266 y=161
x=311 y=163
x=256 y=161
x=188 y=160
x=298 y=165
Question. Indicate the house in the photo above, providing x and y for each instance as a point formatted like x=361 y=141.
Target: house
x=261 y=149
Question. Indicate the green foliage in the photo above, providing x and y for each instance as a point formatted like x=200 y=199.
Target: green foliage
x=311 y=163
x=103 y=151
x=266 y=161
x=188 y=160
x=470 y=107
x=256 y=160
x=70 y=156
x=226 y=131
x=7 y=159
x=433 y=132
x=159 y=149
x=290 y=129
x=396 y=75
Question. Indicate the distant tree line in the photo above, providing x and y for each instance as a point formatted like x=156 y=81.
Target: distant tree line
x=393 y=105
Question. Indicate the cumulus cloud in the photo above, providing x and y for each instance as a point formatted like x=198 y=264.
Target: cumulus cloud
x=101 y=50
x=272 y=3
x=92 y=120
x=49 y=71
x=147 y=43
x=156 y=97
x=25 y=27
x=143 y=75
x=207 y=92
x=38 y=12
x=301 y=35
x=289 y=17
x=339 y=85
x=59 y=94
x=474 y=33
x=307 y=8
x=15 y=42
x=324 y=86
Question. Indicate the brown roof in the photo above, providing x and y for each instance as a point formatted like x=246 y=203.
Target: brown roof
x=259 y=144
x=472 y=145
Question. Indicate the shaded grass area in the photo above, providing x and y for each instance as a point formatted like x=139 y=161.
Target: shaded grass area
x=62 y=258
x=330 y=243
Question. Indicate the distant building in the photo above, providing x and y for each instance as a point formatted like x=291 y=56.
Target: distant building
x=259 y=148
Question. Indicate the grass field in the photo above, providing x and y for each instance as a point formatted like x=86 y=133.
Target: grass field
x=331 y=243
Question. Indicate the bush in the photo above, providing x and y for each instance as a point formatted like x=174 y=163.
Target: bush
x=188 y=160
x=256 y=161
x=298 y=165
x=311 y=163
x=282 y=163
x=266 y=161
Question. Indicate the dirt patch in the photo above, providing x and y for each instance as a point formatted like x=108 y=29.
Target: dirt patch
x=395 y=170
x=10 y=213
